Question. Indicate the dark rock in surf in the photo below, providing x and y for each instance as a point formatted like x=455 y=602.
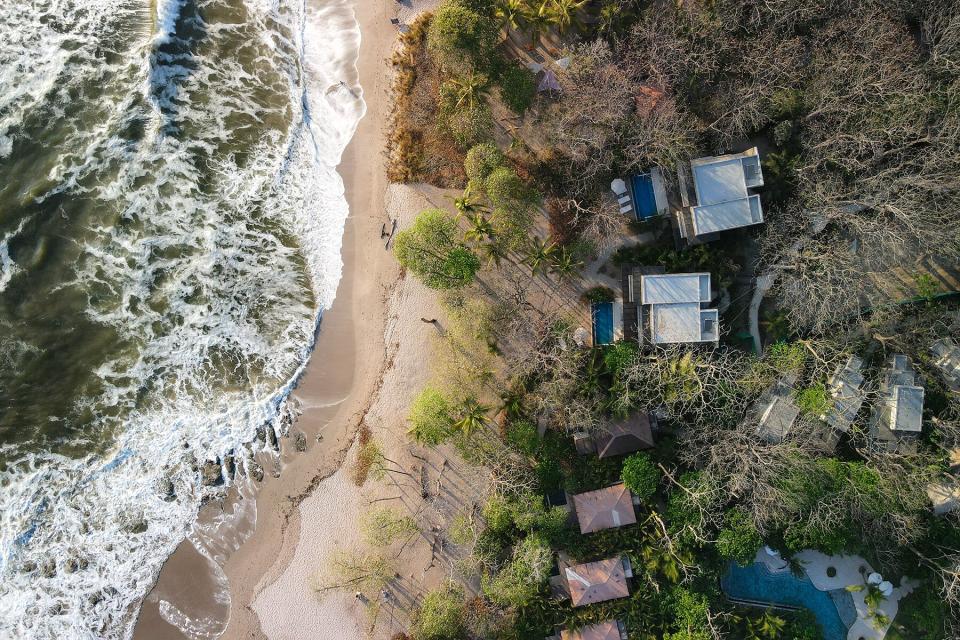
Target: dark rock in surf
x=211 y=473
x=300 y=441
x=230 y=464
x=139 y=527
x=272 y=439
x=256 y=471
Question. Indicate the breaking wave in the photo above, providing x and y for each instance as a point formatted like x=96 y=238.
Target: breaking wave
x=170 y=229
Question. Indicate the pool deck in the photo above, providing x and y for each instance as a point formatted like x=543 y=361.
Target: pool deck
x=851 y=570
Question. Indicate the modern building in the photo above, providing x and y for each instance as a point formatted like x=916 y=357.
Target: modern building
x=946 y=358
x=721 y=198
x=619 y=438
x=775 y=411
x=606 y=508
x=598 y=581
x=847 y=395
x=897 y=417
x=609 y=630
x=673 y=309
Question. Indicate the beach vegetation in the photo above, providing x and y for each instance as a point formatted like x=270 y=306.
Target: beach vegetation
x=441 y=615
x=431 y=417
x=471 y=417
x=460 y=38
x=431 y=248
x=518 y=87
x=365 y=572
x=384 y=526
x=524 y=576
x=481 y=161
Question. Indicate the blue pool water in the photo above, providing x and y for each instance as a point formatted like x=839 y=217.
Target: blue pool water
x=756 y=584
x=602 y=313
x=643 y=197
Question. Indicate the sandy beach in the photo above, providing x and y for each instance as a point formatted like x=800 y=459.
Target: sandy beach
x=304 y=508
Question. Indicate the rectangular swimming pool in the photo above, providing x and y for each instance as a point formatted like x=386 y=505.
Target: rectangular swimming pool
x=755 y=584
x=602 y=313
x=644 y=197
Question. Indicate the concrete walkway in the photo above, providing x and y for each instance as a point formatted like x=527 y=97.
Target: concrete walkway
x=853 y=571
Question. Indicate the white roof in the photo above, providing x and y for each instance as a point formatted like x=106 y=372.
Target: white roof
x=673 y=288
x=720 y=181
x=723 y=199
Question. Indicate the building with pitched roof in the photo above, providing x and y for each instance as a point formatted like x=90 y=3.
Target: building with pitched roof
x=723 y=200
x=598 y=581
x=674 y=308
x=618 y=438
x=898 y=415
x=608 y=630
x=946 y=358
x=605 y=508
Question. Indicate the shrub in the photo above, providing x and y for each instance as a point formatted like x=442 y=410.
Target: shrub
x=813 y=400
x=619 y=356
x=467 y=126
x=739 y=538
x=786 y=356
x=460 y=37
x=431 y=417
x=441 y=615
x=519 y=582
x=432 y=250
x=641 y=476
x=518 y=87
x=599 y=294
x=523 y=436
x=505 y=189
x=481 y=160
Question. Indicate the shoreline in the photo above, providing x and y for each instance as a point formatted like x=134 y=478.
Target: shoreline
x=337 y=386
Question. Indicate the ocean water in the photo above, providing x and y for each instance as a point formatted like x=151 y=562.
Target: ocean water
x=170 y=229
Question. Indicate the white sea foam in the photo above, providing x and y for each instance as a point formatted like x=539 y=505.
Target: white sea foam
x=82 y=539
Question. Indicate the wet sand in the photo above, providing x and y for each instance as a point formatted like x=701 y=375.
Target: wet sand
x=334 y=394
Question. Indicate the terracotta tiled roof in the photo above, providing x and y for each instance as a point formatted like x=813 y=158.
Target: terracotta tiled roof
x=604 y=631
x=597 y=581
x=604 y=508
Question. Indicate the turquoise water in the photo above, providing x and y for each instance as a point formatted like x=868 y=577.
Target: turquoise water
x=646 y=202
x=602 y=322
x=756 y=584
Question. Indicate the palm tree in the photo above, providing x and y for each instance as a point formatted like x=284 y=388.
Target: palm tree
x=512 y=13
x=539 y=18
x=539 y=255
x=494 y=252
x=473 y=417
x=767 y=627
x=466 y=204
x=480 y=228
x=563 y=13
x=564 y=265
x=469 y=89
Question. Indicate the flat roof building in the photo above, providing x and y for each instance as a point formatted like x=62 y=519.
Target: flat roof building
x=845 y=387
x=723 y=201
x=946 y=358
x=605 y=508
x=898 y=415
x=598 y=581
x=776 y=411
x=674 y=308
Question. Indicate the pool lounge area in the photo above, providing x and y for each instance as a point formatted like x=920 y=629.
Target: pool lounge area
x=649 y=195
x=756 y=584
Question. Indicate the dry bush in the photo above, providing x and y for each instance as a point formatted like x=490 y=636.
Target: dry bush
x=416 y=150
